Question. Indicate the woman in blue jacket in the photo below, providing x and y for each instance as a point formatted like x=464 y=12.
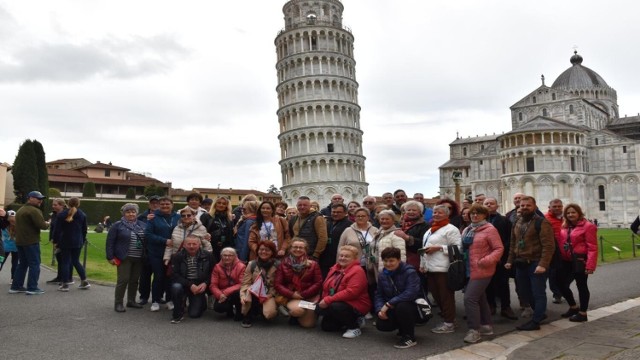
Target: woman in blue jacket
x=398 y=288
x=124 y=249
x=70 y=233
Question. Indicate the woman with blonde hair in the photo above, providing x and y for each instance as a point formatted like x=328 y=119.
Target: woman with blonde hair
x=70 y=234
x=219 y=223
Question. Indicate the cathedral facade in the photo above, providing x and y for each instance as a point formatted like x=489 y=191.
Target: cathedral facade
x=567 y=141
x=318 y=114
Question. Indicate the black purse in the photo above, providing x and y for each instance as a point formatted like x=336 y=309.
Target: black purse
x=457 y=274
x=578 y=261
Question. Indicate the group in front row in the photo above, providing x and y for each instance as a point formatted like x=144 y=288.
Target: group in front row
x=345 y=264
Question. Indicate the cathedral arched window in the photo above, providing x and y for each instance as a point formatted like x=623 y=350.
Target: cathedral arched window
x=534 y=100
x=601 y=198
x=570 y=109
x=553 y=96
x=544 y=112
x=519 y=116
x=464 y=151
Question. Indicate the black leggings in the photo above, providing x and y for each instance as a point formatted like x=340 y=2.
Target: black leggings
x=565 y=277
x=401 y=317
x=339 y=315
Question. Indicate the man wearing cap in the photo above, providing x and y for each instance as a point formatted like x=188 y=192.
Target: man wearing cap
x=29 y=222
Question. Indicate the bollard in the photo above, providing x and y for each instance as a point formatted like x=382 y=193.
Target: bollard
x=601 y=248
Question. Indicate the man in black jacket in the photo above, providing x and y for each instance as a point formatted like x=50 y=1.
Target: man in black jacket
x=335 y=227
x=191 y=277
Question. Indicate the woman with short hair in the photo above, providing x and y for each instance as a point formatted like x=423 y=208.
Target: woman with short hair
x=299 y=279
x=435 y=263
x=124 y=249
x=226 y=279
x=345 y=298
x=398 y=288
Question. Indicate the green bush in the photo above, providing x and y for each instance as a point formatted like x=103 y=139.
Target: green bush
x=89 y=190
x=97 y=209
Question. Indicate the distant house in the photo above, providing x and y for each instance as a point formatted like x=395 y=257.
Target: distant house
x=234 y=195
x=70 y=175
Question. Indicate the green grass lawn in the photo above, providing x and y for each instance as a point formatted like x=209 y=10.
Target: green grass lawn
x=99 y=269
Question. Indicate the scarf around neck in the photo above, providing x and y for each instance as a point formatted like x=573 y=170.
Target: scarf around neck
x=436 y=225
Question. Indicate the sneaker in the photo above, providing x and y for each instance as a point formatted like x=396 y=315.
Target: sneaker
x=368 y=316
x=178 y=320
x=486 y=330
x=529 y=326
x=170 y=305
x=63 y=287
x=405 y=342
x=35 y=292
x=283 y=310
x=155 y=307
x=17 y=291
x=526 y=313
x=55 y=280
x=473 y=336
x=84 y=285
x=444 y=328
x=362 y=322
x=246 y=322
x=351 y=333
x=557 y=299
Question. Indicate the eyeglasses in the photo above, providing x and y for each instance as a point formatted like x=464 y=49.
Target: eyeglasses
x=362 y=216
x=186 y=215
x=297 y=248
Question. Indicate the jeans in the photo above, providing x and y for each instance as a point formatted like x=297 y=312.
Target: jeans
x=401 y=317
x=533 y=288
x=159 y=285
x=29 y=259
x=71 y=258
x=565 y=277
x=197 y=303
x=475 y=303
x=14 y=262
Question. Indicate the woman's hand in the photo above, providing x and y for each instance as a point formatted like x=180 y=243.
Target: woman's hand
x=296 y=295
x=280 y=253
x=322 y=304
x=207 y=237
x=166 y=263
x=432 y=249
x=383 y=315
x=589 y=272
x=112 y=261
x=169 y=242
x=401 y=234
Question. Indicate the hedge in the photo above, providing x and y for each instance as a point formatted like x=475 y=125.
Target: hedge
x=97 y=209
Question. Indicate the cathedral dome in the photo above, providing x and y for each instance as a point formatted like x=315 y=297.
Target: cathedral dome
x=578 y=76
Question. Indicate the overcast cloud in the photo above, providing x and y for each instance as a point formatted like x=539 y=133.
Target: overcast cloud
x=185 y=91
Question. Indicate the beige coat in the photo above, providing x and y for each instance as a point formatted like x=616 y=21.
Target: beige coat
x=180 y=233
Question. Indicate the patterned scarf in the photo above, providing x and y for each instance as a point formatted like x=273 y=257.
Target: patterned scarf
x=407 y=222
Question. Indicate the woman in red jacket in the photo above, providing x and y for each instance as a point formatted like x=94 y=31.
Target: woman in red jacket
x=345 y=297
x=226 y=279
x=483 y=248
x=299 y=278
x=579 y=253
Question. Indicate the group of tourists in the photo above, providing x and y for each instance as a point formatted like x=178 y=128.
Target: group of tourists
x=339 y=264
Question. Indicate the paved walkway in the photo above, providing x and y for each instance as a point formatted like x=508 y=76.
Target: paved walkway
x=612 y=332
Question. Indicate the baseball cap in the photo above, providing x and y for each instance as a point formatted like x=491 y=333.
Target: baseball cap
x=36 y=194
x=154 y=198
x=207 y=201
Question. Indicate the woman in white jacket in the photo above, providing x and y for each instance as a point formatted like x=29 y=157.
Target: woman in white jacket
x=435 y=262
x=188 y=225
x=385 y=238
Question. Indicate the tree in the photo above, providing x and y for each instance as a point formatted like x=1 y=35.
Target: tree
x=153 y=189
x=89 y=190
x=54 y=193
x=131 y=193
x=25 y=171
x=41 y=165
x=273 y=190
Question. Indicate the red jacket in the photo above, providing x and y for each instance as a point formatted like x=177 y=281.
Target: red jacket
x=307 y=282
x=485 y=252
x=352 y=287
x=221 y=283
x=583 y=240
x=556 y=224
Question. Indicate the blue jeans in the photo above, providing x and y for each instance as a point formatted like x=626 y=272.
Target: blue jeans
x=69 y=259
x=29 y=258
x=159 y=283
x=533 y=288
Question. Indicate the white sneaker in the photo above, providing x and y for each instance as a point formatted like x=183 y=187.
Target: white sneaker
x=352 y=333
x=473 y=336
x=368 y=316
x=526 y=313
x=486 y=330
x=444 y=328
x=155 y=307
x=169 y=305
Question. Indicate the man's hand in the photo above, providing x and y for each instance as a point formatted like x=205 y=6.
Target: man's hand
x=507 y=266
x=539 y=270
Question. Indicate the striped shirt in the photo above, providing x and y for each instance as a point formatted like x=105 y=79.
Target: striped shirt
x=135 y=245
x=192 y=267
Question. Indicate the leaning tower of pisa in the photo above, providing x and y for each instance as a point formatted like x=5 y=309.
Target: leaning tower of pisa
x=319 y=115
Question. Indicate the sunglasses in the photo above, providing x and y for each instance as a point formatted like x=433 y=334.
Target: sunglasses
x=186 y=215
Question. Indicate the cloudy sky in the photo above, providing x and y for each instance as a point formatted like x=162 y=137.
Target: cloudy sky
x=185 y=91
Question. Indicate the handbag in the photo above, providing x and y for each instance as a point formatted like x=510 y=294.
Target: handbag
x=422 y=305
x=457 y=274
x=578 y=261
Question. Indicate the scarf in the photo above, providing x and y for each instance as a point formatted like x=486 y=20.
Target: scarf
x=266 y=265
x=435 y=225
x=297 y=264
x=407 y=222
x=467 y=241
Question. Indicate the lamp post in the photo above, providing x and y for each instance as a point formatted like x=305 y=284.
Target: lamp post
x=457 y=178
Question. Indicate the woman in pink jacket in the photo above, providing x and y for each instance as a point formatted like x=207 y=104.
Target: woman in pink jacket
x=579 y=253
x=226 y=279
x=483 y=248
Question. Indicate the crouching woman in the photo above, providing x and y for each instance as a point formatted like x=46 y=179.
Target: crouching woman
x=226 y=280
x=398 y=288
x=345 y=297
x=257 y=292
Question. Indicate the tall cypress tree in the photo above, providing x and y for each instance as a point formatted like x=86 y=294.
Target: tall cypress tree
x=25 y=171
x=43 y=174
